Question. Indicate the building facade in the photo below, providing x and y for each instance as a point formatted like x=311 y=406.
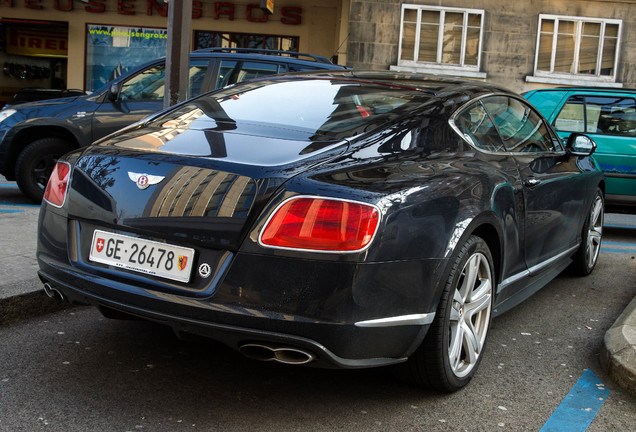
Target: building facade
x=83 y=43
x=520 y=45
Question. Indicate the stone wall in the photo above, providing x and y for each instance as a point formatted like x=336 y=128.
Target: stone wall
x=510 y=34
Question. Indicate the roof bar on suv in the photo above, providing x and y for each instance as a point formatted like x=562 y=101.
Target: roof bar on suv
x=317 y=58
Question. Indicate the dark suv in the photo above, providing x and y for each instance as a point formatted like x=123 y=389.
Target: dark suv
x=34 y=135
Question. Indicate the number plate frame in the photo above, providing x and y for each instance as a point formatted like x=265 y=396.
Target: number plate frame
x=117 y=250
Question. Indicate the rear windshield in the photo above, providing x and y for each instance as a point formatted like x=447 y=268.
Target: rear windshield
x=335 y=108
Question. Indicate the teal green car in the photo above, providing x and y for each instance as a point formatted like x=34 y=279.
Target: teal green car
x=607 y=116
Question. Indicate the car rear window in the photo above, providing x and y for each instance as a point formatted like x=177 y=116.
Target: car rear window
x=336 y=108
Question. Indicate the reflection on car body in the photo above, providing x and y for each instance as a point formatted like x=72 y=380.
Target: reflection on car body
x=343 y=219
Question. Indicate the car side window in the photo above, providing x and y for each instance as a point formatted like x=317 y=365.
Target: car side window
x=614 y=115
x=149 y=85
x=225 y=73
x=520 y=126
x=146 y=85
x=232 y=71
x=477 y=128
x=251 y=70
x=196 y=78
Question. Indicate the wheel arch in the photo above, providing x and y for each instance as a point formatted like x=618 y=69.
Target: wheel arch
x=27 y=135
x=488 y=233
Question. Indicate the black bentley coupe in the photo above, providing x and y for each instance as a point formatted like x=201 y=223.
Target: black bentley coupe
x=339 y=219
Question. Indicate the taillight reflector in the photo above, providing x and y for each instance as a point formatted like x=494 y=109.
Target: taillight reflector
x=56 y=188
x=321 y=224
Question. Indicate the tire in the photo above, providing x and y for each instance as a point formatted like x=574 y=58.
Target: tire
x=451 y=352
x=35 y=164
x=585 y=259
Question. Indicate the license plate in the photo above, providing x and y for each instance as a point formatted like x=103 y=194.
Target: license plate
x=143 y=256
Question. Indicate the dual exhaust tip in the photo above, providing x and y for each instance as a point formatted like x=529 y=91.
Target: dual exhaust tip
x=53 y=292
x=285 y=355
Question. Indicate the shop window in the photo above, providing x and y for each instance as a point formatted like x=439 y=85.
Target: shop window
x=575 y=48
x=442 y=40
x=207 y=39
x=112 y=51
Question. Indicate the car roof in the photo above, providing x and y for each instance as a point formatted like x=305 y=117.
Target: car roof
x=435 y=85
x=587 y=89
x=276 y=56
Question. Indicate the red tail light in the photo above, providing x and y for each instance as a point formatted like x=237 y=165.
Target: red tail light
x=320 y=224
x=55 y=192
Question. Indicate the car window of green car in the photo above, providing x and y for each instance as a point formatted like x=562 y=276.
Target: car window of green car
x=613 y=115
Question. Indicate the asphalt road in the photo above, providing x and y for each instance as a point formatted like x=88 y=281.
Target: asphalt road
x=76 y=371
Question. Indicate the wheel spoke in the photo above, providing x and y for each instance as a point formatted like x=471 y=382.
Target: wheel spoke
x=597 y=211
x=472 y=343
x=479 y=303
x=595 y=233
x=455 y=349
x=454 y=315
x=470 y=278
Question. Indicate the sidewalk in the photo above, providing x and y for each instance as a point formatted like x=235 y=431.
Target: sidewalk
x=22 y=295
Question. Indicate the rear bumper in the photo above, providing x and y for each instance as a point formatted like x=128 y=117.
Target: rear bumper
x=372 y=346
x=346 y=313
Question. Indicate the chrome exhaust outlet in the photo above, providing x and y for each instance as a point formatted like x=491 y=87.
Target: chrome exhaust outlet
x=285 y=355
x=53 y=293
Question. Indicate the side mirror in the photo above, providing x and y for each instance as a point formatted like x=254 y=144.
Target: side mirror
x=113 y=92
x=580 y=145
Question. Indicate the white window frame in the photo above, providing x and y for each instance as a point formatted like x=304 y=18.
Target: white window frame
x=439 y=67
x=551 y=77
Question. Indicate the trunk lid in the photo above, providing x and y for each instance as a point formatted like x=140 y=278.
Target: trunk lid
x=192 y=185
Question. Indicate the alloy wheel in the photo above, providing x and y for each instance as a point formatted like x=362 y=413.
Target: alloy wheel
x=470 y=314
x=595 y=232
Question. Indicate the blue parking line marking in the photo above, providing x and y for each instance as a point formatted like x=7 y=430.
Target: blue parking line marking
x=619 y=226
x=11 y=211
x=18 y=205
x=618 y=244
x=8 y=185
x=579 y=407
x=618 y=250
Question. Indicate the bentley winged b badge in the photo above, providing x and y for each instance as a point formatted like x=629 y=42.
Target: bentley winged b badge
x=144 y=180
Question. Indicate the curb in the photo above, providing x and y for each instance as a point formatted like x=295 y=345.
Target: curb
x=29 y=304
x=618 y=355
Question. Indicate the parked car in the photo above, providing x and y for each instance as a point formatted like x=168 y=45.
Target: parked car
x=339 y=219
x=33 y=136
x=609 y=117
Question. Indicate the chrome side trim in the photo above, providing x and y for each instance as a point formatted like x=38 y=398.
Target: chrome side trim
x=414 y=319
x=534 y=269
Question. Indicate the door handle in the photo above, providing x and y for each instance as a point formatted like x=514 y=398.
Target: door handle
x=531 y=182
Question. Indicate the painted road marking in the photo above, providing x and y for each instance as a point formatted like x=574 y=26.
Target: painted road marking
x=5 y=204
x=620 y=226
x=18 y=205
x=619 y=249
x=579 y=407
x=8 y=185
